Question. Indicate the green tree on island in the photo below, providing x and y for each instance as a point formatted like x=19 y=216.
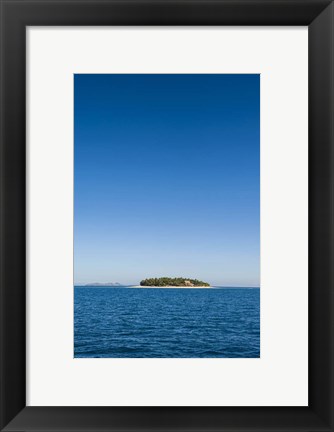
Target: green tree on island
x=177 y=282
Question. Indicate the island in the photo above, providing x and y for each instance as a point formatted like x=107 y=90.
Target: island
x=173 y=282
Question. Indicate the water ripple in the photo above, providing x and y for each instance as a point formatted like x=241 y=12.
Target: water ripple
x=166 y=323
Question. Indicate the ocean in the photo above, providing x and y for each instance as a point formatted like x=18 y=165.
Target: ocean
x=166 y=323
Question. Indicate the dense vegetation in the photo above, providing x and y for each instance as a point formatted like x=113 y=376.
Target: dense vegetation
x=166 y=281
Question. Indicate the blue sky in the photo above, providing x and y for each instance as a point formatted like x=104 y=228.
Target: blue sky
x=167 y=178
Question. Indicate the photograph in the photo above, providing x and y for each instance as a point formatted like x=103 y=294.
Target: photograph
x=166 y=216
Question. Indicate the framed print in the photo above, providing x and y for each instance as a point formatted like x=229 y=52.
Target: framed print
x=166 y=225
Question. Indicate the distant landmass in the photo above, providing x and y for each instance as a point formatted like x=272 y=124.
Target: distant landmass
x=103 y=284
x=173 y=282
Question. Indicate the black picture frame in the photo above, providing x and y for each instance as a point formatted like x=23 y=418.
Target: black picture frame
x=16 y=15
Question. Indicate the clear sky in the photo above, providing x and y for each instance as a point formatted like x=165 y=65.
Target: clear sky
x=167 y=178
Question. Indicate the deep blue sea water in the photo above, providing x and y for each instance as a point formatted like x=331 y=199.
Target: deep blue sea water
x=188 y=323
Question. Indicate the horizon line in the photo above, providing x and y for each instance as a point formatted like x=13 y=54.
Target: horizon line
x=108 y=284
